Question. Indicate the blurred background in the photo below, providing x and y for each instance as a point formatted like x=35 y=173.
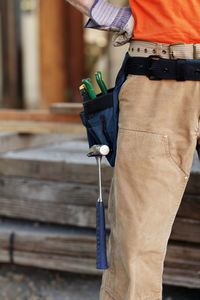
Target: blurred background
x=48 y=186
x=45 y=52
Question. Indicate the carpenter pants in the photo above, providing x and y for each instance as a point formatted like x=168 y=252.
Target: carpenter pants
x=158 y=132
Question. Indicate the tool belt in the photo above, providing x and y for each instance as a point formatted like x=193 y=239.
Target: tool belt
x=156 y=68
x=100 y=116
x=97 y=118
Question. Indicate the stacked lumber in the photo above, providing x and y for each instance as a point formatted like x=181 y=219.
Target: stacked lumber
x=48 y=213
x=73 y=249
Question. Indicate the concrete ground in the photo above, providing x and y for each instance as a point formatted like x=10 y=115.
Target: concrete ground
x=24 y=283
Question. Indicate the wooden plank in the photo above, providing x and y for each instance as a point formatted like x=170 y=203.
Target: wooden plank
x=54 y=262
x=67 y=241
x=186 y=230
x=66 y=163
x=190 y=207
x=183 y=254
x=41 y=127
x=53 y=170
x=45 y=212
x=182 y=265
x=184 y=278
x=42 y=115
x=44 y=192
x=193 y=186
x=66 y=108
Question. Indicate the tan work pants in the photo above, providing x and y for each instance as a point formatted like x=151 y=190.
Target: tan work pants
x=158 y=132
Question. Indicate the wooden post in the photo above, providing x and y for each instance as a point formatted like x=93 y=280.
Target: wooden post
x=75 y=53
x=61 y=50
x=53 y=51
x=11 y=49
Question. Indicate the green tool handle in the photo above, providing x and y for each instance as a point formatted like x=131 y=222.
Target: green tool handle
x=89 y=88
x=100 y=82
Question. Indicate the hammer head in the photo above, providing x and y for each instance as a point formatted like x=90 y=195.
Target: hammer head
x=98 y=150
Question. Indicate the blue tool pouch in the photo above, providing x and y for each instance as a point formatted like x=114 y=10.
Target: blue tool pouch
x=100 y=116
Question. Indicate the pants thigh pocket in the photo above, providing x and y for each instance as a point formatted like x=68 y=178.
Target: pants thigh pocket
x=147 y=152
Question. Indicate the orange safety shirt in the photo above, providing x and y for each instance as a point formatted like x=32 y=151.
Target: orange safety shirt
x=167 y=21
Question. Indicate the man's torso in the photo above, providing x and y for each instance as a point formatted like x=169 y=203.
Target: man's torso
x=167 y=21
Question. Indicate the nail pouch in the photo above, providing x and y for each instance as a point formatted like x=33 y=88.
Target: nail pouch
x=100 y=117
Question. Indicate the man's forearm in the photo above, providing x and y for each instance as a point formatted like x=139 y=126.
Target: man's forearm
x=83 y=6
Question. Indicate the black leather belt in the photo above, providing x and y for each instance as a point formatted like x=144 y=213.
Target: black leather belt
x=156 y=68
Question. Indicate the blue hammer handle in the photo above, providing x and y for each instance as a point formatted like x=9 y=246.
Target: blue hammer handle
x=101 y=259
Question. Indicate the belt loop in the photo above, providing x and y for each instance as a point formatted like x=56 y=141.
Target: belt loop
x=194 y=51
x=171 y=54
x=159 y=49
x=180 y=69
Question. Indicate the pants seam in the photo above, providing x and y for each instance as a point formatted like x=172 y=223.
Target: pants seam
x=107 y=290
x=169 y=226
x=170 y=158
x=142 y=130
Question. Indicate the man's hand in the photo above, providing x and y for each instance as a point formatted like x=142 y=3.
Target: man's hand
x=123 y=36
x=83 y=6
x=105 y=16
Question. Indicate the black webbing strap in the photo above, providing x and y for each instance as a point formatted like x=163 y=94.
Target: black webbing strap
x=157 y=68
x=11 y=248
x=101 y=102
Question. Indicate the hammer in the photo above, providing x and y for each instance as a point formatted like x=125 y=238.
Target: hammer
x=98 y=151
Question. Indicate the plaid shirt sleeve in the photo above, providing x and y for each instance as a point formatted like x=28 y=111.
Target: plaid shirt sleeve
x=105 y=16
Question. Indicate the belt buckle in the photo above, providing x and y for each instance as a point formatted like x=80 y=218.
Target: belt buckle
x=171 y=54
x=150 y=60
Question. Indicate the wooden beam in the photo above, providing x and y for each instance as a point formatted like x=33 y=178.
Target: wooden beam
x=69 y=164
x=63 y=108
x=41 y=127
x=42 y=121
x=193 y=186
x=38 y=116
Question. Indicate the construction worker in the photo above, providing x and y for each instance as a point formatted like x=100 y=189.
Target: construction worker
x=157 y=137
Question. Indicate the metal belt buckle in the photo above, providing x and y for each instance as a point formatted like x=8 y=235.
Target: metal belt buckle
x=171 y=54
x=150 y=60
